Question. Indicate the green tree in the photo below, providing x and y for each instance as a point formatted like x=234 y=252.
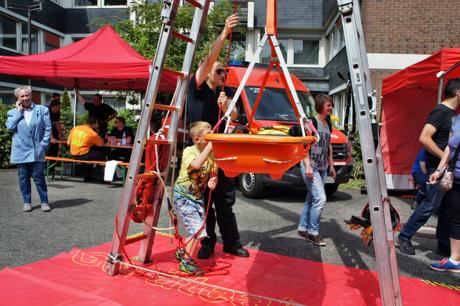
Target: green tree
x=142 y=33
x=65 y=101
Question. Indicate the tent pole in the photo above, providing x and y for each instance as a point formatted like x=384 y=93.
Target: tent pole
x=440 y=86
x=74 y=106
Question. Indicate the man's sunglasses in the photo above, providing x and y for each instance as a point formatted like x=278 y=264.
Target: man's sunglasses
x=220 y=71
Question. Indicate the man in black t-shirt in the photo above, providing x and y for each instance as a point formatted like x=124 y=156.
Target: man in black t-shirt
x=204 y=102
x=102 y=112
x=434 y=138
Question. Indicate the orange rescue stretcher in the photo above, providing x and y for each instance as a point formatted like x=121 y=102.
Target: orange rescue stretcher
x=272 y=154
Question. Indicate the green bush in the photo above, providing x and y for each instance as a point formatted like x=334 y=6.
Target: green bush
x=5 y=137
x=358 y=166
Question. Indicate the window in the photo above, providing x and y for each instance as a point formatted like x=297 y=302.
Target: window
x=306 y=52
x=8 y=32
x=25 y=39
x=115 y=2
x=85 y=2
x=296 y=51
x=266 y=52
x=340 y=101
x=51 y=41
x=335 y=40
x=275 y=104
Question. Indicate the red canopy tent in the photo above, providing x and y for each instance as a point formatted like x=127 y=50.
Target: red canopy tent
x=102 y=60
x=408 y=97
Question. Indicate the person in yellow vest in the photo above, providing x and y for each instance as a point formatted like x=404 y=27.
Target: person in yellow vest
x=86 y=144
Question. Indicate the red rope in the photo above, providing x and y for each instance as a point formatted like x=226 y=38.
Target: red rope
x=229 y=47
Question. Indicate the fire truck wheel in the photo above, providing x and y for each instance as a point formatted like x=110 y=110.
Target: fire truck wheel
x=251 y=185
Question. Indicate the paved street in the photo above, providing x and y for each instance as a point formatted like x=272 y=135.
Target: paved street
x=83 y=216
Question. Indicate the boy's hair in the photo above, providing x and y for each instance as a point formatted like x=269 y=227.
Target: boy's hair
x=120 y=118
x=451 y=88
x=320 y=101
x=197 y=128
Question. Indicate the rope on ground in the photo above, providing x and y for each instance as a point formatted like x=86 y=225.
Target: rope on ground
x=206 y=284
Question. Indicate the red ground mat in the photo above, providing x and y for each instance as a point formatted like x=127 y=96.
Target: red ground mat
x=78 y=278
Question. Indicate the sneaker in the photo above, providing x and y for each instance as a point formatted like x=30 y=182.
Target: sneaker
x=205 y=252
x=406 y=246
x=445 y=265
x=316 y=240
x=303 y=234
x=46 y=207
x=188 y=266
x=180 y=254
x=27 y=207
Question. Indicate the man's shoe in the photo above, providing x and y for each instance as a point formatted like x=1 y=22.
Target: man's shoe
x=445 y=265
x=188 y=266
x=316 y=240
x=27 y=207
x=46 y=207
x=238 y=251
x=205 y=252
x=180 y=254
x=303 y=234
x=406 y=246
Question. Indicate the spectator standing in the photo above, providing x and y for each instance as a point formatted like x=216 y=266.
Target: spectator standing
x=434 y=138
x=31 y=127
x=103 y=112
x=451 y=200
x=204 y=102
x=56 y=131
x=315 y=168
x=420 y=178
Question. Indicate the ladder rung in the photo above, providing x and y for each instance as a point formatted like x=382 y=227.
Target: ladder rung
x=135 y=238
x=165 y=107
x=182 y=37
x=195 y=3
x=159 y=141
x=177 y=73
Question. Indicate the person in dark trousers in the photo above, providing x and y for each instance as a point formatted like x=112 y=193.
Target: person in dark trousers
x=205 y=100
x=31 y=128
x=451 y=200
x=103 y=112
x=86 y=144
x=56 y=131
x=434 y=138
x=419 y=177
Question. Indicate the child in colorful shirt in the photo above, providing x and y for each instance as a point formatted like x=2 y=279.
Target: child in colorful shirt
x=197 y=171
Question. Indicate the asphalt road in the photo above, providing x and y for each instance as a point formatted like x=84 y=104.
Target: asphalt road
x=83 y=216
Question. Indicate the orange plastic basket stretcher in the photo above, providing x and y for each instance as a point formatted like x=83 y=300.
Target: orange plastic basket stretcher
x=273 y=155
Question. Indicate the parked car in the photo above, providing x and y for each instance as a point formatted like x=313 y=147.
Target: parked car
x=275 y=110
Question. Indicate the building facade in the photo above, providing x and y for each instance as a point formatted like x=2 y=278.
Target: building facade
x=58 y=23
x=398 y=33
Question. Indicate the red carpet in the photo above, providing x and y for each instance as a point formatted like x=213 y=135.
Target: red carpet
x=78 y=278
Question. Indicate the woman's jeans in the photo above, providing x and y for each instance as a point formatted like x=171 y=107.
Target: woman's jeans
x=316 y=198
x=35 y=170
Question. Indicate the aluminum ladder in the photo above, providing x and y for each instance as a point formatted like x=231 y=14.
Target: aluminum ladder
x=168 y=15
x=379 y=204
